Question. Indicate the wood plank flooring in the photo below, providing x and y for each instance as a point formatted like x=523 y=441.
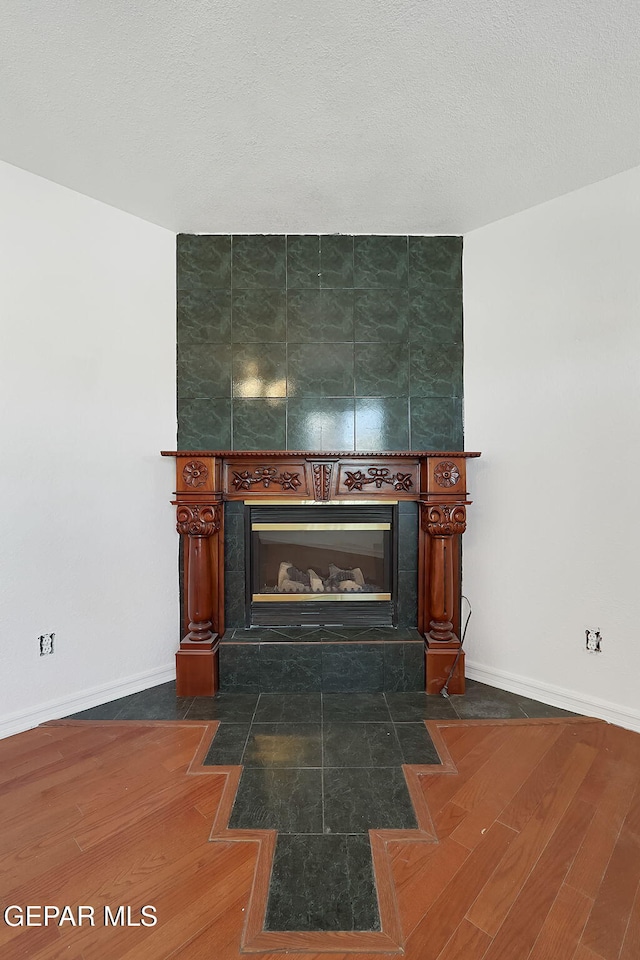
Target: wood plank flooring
x=537 y=854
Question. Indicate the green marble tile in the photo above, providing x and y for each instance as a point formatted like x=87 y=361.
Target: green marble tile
x=204 y=371
x=204 y=424
x=408 y=597
x=436 y=260
x=382 y=369
x=321 y=883
x=259 y=424
x=435 y=312
x=320 y=370
x=336 y=261
x=303 y=262
x=204 y=316
x=319 y=316
x=381 y=315
x=259 y=261
x=259 y=370
x=320 y=424
x=259 y=316
x=380 y=261
x=310 y=321
x=382 y=424
x=407 y=537
x=234 y=543
x=203 y=262
x=436 y=423
x=248 y=671
x=436 y=370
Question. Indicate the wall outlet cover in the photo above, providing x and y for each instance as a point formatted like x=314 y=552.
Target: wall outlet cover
x=593 y=641
x=46 y=644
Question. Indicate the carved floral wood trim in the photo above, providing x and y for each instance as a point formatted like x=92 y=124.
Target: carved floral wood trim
x=446 y=474
x=443 y=520
x=357 y=480
x=198 y=520
x=195 y=473
x=244 y=479
x=322 y=480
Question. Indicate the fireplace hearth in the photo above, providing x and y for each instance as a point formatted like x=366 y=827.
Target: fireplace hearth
x=316 y=556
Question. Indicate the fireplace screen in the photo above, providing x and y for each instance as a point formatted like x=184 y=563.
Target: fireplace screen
x=311 y=555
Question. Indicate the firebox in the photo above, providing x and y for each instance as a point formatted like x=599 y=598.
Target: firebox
x=321 y=564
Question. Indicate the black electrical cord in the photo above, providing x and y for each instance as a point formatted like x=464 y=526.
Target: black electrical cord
x=445 y=690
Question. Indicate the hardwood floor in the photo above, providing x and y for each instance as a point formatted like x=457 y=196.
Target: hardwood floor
x=537 y=854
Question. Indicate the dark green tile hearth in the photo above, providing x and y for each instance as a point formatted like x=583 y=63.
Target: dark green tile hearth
x=358 y=799
x=322 y=883
x=348 y=744
x=290 y=666
x=284 y=745
x=322 y=770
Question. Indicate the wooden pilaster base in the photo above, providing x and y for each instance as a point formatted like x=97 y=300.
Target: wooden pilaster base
x=438 y=665
x=197 y=668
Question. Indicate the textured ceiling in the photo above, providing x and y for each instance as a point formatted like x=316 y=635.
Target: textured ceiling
x=369 y=116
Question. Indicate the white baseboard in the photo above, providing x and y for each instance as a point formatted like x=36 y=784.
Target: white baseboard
x=556 y=696
x=54 y=709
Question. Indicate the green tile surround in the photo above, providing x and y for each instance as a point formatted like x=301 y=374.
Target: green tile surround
x=319 y=342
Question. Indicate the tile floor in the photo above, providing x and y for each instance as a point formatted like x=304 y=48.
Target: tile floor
x=322 y=769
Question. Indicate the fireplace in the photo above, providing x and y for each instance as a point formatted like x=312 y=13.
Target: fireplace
x=321 y=564
x=332 y=563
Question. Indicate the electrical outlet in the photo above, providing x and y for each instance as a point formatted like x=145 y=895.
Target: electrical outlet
x=46 y=644
x=593 y=641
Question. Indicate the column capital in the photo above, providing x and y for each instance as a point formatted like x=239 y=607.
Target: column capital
x=443 y=519
x=197 y=519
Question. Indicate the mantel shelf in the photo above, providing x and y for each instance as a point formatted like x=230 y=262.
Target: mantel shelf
x=324 y=454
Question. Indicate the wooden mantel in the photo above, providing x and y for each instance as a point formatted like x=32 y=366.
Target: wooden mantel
x=206 y=478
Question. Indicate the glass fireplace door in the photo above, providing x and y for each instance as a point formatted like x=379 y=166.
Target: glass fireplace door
x=321 y=564
x=298 y=562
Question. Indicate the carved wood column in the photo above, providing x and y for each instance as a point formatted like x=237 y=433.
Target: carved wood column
x=197 y=658
x=442 y=523
x=199 y=523
x=199 y=518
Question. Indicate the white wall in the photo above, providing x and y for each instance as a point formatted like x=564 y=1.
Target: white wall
x=552 y=398
x=87 y=377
